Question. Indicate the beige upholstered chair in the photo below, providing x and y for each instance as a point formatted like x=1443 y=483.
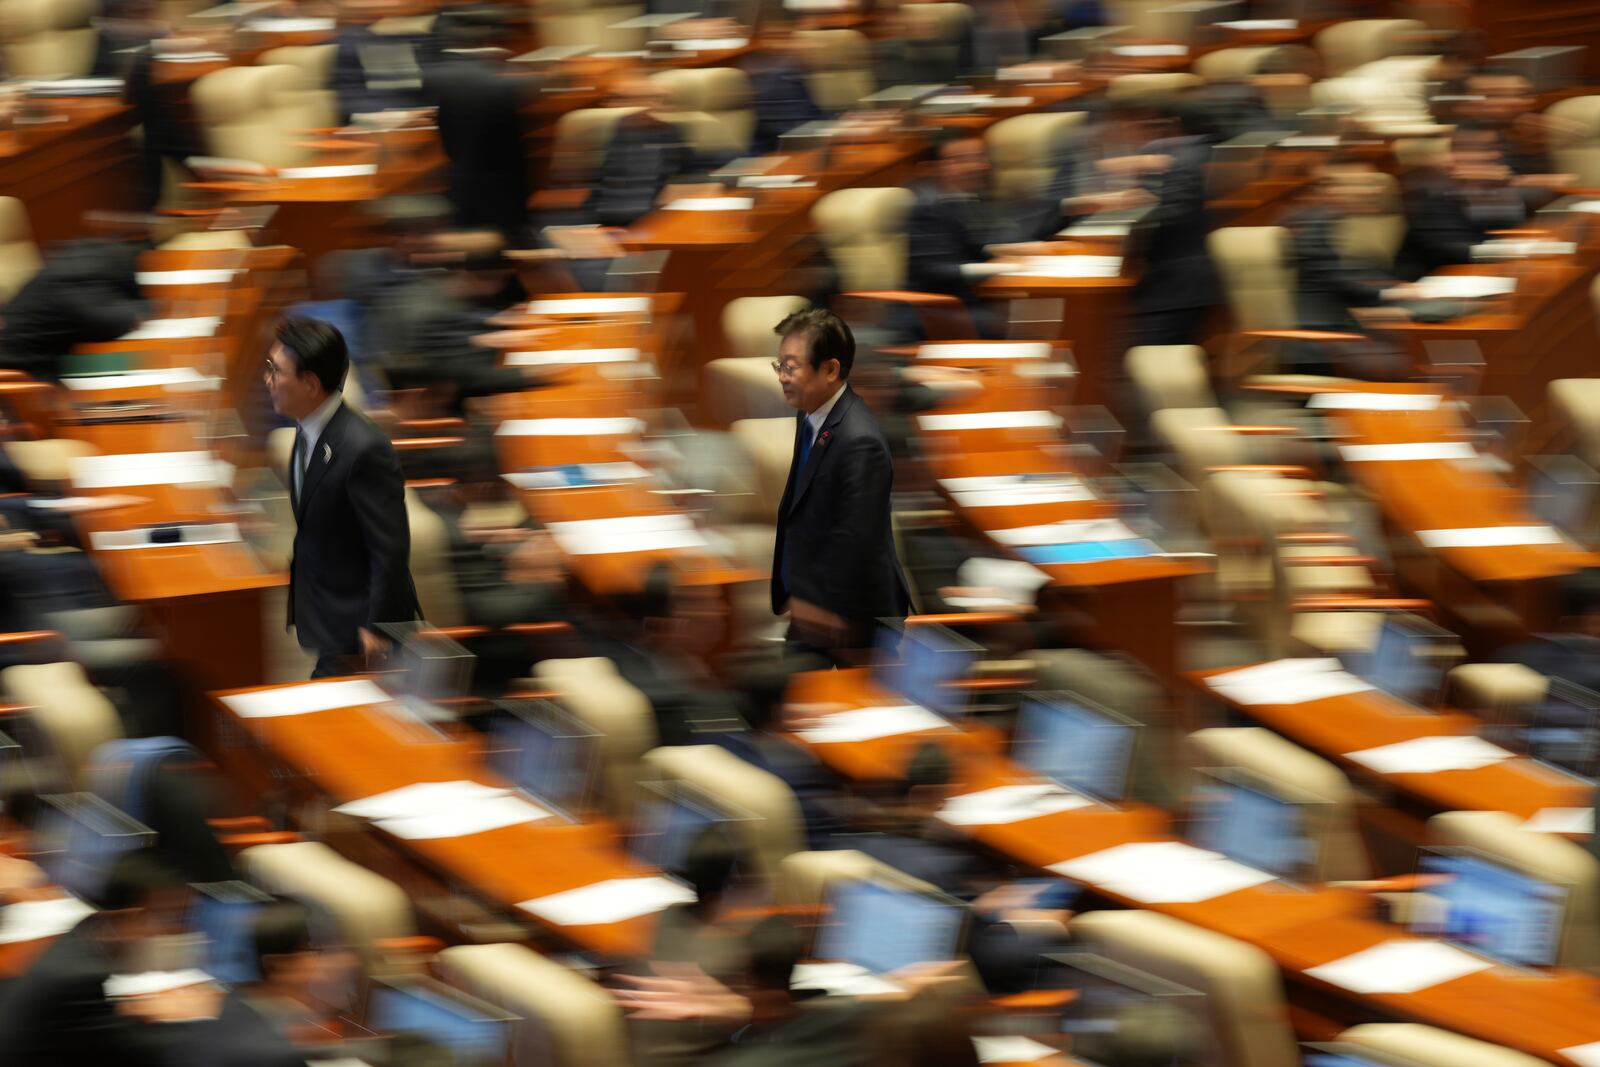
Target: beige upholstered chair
x=367 y=907
x=578 y=24
x=1374 y=238
x=19 y=256
x=253 y=114
x=1546 y=857
x=839 y=66
x=714 y=107
x=48 y=38
x=1495 y=692
x=430 y=564
x=805 y=877
x=1347 y=45
x=1152 y=90
x=1244 y=1009
x=1330 y=799
x=1231 y=64
x=1580 y=153
x=48 y=462
x=1575 y=407
x=775 y=828
x=1170 y=376
x=1025 y=151
x=952 y=20
x=565 y=1019
x=74 y=717
x=743 y=386
x=1256 y=275
x=864 y=231
x=593 y=691
x=1426 y=1046
x=582 y=137
x=769 y=444
x=316 y=102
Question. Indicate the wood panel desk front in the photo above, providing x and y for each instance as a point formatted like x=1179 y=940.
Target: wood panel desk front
x=1298 y=927
x=77 y=159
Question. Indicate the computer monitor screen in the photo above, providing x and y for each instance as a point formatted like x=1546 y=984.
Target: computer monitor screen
x=921 y=662
x=1078 y=743
x=1564 y=730
x=1409 y=660
x=1489 y=907
x=82 y=836
x=1245 y=819
x=1338 y=1059
x=1346 y=1054
x=224 y=913
x=541 y=749
x=429 y=668
x=671 y=816
x=1113 y=998
x=1561 y=491
x=475 y=1034
x=884 y=928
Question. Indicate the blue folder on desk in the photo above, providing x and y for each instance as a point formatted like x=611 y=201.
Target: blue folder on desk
x=1089 y=551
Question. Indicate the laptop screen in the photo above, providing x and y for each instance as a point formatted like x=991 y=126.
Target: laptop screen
x=1409 y=660
x=884 y=928
x=224 y=913
x=920 y=662
x=474 y=1033
x=1078 y=743
x=1564 y=730
x=1115 y=1001
x=1489 y=907
x=541 y=749
x=1246 y=820
x=670 y=817
x=83 y=836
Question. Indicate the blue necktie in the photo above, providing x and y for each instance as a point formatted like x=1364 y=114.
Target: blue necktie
x=806 y=433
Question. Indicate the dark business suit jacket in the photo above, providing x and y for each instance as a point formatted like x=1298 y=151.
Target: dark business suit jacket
x=86 y=291
x=833 y=521
x=1176 y=271
x=1328 y=286
x=1439 y=226
x=351 y=539
x=240 y=1036
x=480 y=128
x=645 y=154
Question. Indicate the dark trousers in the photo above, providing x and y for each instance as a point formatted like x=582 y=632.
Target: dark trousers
x=334 y=664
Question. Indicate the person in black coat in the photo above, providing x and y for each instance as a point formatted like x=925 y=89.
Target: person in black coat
x=86 y=291
x=352 y=542
x=646 y=154
x=834 y=563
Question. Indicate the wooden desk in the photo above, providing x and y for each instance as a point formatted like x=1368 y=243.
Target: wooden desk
x=80 y=160
x=333 y=757
x=1299 y=928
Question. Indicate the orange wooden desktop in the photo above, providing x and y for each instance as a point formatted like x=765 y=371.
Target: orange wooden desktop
x=77 y=158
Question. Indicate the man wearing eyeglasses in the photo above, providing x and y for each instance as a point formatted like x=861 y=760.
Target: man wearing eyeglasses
x=349 y=570
x=834 y=564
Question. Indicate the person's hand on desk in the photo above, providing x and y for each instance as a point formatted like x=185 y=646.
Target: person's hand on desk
x=816 y=623
x=1553 y=182
x=535 y=561
x=681 y=992
x=1149 y=163
x=190 y=1003
x=18 y=877
x=1098 y=203
x=373 y=647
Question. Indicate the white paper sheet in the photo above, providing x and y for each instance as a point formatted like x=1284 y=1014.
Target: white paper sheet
x=1010 y=803
x=1013 y=1048
x=1287 y=681
x=594 y=473
x=866 y=724
x=1142 y=50
x=145 y=468
x=184 y=277
x=305 y=699
x=348 y=170
x=1421 y=450
x=1260 y=24
x=1430 y=755
x=291 y=25
x=990 y=420
x=1464 y=286
x=627 y=533
x=1310 y=140
x=1583 y=1055
x=1017 y=490
x=1490 y=536
x=986 y=350
x=1162 y=872
x=1399 y=967
x=711 y=203
x=420 y=798
x=1562 y=821
x=570 y=427
x=840 y=980
x=1067 y=532
x=219 y=533
x=610 y=901
x=1019 y=582
x=139 y=985
x=1588 y=207
x=1375 y=401
x=462 y=820
x=710 y=44
x=1069 y=267
x=30 y=920
x=572 y=356
x=598 y=305
x=143 y=379
x=174 y=329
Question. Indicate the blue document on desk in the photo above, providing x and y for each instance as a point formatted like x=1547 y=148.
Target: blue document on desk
x=1089 y=551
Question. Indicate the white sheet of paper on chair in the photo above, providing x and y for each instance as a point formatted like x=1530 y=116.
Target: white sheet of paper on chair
x=1287 y=681
x=1490 y=536
x=1400 y=967
x=867 y=724
x=1430 y=755
x=305 y=699
x=611 y=901
x=1011 y=1048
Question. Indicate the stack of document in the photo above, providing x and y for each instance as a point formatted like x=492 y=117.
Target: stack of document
x=627 y=533
x=990 y=420
x=613 y=427
x=1069 y=531
x=1070 y=267
x=1162 y=872
x=429 y=810
x=985 y=350
x=562 y=357
x=1522 y=249
x=1408 y=453
x=1017 y=490
x=594 y=305
x=174 y=329
x=31 y=920
x=1490 y=536
x=1010 y=803
x=1011 y=1048
x=712 y=203
x=148 y=468
x=612 y=901
x=867 y=724
x=346 y=170
x=305 y=699
x=184 y=277
x=1464 y=286
x=1375 y=401
x=1150 y=50
x=577 y=475
x=117 y=986
x=178 y=379
x=1287 y=681
x=1430 y=755
x=1400 y=967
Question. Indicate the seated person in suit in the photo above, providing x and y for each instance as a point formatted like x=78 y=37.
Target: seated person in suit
x=375 y=72
x=58 y=1012
x=953 y=223
x=86 y=291
x=1572 y=650
x=912 y=51
x=1452 y=203
x=778 y=89
x=646 y=154
x=1500 y=104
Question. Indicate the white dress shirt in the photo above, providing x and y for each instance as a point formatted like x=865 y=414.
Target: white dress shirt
x=819 y=416
x=311 y=429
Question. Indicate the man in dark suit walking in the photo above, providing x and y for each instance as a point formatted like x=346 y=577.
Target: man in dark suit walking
x=834 y=562
x=351 y=543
